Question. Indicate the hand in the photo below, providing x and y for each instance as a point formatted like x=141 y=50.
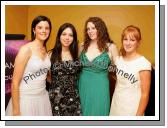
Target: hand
x=16 y=113
x=139 y=114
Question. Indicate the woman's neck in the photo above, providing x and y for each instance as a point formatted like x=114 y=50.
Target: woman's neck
x=39 y=43
x=65 y=49
x=131 y=56
x=65 y=54
x=93 y=43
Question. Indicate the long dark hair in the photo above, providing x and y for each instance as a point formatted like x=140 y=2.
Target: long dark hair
x=102 y=34
x=57 y=50
x=35 y=22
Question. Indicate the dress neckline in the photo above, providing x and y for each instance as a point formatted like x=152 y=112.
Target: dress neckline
x=129 y=61
x=95 y=57
x=42 y=59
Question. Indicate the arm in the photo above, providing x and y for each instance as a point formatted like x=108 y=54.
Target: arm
x=48 y=79
x=145 y=77
x=81 y=47
x=19 y=66
x=113 y=52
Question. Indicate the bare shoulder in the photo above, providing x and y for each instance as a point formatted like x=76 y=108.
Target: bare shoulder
x=81 y=44
x=111 y=46
x=24 y=51
x=112 y=51
x=81 y=47
x=50 y=53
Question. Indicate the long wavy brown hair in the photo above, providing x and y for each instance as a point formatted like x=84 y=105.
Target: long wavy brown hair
x=102 y=34
x=134 y=31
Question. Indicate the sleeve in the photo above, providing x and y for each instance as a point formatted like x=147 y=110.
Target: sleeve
x=117 y=60
x=145 y=65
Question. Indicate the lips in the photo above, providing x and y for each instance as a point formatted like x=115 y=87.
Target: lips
x=43 y=34
x=91 y=36
x=66 y=42
x=128 y=47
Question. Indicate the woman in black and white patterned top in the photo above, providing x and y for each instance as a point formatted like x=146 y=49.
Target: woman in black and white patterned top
x=65 y=68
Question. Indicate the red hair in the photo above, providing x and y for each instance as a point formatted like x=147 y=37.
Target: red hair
x=134 y=32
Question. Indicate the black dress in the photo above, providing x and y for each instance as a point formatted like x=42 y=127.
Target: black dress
x=63 y=92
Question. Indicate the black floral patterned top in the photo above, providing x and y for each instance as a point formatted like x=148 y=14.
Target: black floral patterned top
x=63 y=92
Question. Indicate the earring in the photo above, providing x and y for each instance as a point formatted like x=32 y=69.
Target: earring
x=34 y=34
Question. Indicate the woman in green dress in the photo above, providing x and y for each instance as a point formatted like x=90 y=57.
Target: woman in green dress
x=97 y=53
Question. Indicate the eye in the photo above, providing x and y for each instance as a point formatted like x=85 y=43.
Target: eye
x=63 y=34
x=93 y=28
x=47 y=28
x=39 y=27
x=133 y=40
x=71 y=35
x=88 y=29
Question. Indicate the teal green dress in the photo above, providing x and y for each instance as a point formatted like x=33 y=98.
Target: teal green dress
x=94 y=85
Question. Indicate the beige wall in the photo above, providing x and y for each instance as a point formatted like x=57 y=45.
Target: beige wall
x=115 y=17
x=16 y=20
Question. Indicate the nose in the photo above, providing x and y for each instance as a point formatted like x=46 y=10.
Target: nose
x=128 y=42
x=43 y=30
x=90 y=30
x=67 y=37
